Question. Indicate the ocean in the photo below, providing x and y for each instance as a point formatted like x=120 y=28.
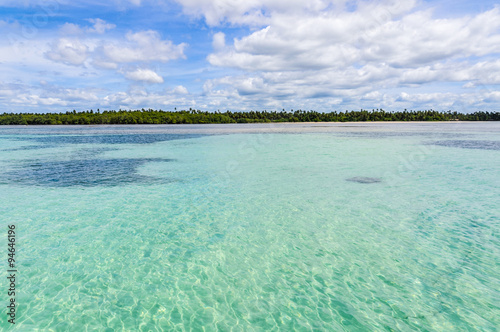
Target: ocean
x=252 y=227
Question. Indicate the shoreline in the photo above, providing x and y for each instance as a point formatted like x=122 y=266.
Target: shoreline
x=151 y=116
x=269 y=127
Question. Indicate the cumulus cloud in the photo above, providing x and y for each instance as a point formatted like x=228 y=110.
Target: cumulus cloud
x=340 y=40
x=36 y=100
x=78 y=95
x=143 y=99
x=104 y=53
x=48 y=95
x=6 y=90
x=70 y=29
x=100 y=62
x=145 y=75
x=100 y=26
x=324 y=49
x=216 y=11
x=219 y=41
x=483 y=72
x=224 y=93
x=135 y=49
x=181 y=90
x=143 y=46
x=253 y=12
x=68 y=51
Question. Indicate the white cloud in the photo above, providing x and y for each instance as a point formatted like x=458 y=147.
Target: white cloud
x=219 y=41
x=79 y=94
x=224 y=93
x=218 y=10
x=484 y=72
x=136 y=48
x=102 y=63
x=143 y=46
x=334 y=39
x=100 y=26
x=111 y=53
x=181 y=90
x=70 y=29
x=253 y=12
x=492 y=96
x=68 y=51
x=142 y=99
x=6 y=90
x=145 y=75
x=327 y=52
x=374 y=95
x=425 y=97
x=36 y=100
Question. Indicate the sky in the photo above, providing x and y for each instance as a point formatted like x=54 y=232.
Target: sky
x=323 y=55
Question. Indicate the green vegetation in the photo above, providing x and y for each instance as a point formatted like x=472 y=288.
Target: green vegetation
x=195 y=116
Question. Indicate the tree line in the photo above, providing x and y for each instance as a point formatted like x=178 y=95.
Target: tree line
x=192 y=116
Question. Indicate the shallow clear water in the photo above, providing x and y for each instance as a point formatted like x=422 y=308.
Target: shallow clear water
x=356 y=227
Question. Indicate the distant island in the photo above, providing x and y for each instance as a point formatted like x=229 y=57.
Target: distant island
x=191 y=116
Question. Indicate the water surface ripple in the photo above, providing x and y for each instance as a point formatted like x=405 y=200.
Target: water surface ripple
x=254 y=228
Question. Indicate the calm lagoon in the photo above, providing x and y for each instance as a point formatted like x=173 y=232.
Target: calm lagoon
x=265 y=227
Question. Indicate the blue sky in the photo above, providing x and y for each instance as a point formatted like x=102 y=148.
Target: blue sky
x=326 y=55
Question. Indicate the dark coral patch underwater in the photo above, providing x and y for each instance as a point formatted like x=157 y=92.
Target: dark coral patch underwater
x=363 y=179
x=469 y=144
x=83 y=172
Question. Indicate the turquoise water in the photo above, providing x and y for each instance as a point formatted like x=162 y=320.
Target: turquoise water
x=254 y=228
